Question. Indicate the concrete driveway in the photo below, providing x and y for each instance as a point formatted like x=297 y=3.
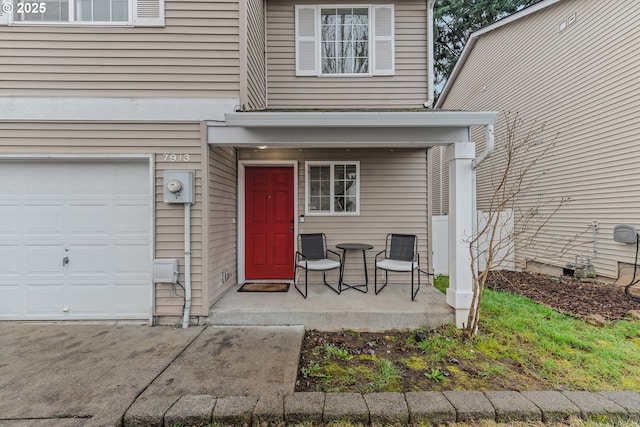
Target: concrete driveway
x=67 y=374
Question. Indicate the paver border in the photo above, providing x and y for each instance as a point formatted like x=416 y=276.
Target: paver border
x=429 y=407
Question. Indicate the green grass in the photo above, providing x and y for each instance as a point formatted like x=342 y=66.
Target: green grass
x=331 y=350
x=388 y=378
x=441 y=283
x=557 y=347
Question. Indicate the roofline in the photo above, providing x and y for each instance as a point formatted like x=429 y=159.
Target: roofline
x=362 y=119
x=476 y=35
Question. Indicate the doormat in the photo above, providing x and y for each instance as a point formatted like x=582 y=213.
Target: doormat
x=264 y=287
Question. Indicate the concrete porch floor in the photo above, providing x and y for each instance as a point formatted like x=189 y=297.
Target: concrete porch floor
x=327 y=311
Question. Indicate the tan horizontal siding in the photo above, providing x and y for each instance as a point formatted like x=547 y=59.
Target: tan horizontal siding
x=582 y=83
x=256 y=71
x=195 y=55
x=222 y=182
x=154 y=139
x=393 y=199
x=406 y=89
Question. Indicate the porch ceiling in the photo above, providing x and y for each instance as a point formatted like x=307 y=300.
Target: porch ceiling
x=346 y=129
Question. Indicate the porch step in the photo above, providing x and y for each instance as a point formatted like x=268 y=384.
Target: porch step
x=325 y=310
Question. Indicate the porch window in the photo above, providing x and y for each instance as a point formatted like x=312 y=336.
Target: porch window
x=333 y=188
x=344 y=40
x=87 y=12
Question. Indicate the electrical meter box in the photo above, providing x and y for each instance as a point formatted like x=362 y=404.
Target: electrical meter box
x=178 y=187
x=165 y=271
x=625 y=233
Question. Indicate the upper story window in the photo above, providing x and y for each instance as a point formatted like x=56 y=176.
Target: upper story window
x=344 y=40
x=84 y=12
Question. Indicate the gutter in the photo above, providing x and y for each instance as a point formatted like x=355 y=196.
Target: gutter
x=430 y=53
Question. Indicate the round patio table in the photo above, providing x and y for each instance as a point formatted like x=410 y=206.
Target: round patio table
x=363 y=247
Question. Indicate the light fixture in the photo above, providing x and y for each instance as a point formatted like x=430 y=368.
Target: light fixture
x=262 y=147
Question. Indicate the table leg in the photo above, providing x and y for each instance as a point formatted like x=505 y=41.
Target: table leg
x=357 y=287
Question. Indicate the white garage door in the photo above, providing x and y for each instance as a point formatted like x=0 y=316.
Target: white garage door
x=75 y=240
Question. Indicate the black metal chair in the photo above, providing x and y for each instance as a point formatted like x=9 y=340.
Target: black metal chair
x=313 y=255
x=400 y=255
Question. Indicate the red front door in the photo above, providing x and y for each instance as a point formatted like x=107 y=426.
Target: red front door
x=269 y=235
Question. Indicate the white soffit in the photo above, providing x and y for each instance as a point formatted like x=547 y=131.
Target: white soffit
x=438 y=119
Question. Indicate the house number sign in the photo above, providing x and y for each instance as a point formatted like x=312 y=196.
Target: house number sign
x=173 y=158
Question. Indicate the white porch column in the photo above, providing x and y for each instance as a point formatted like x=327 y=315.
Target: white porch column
x=461 y=195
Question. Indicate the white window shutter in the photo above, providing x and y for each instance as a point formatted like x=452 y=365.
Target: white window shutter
x=383 y=40
x=306 y=41
x=148 y=13
x=4 y=16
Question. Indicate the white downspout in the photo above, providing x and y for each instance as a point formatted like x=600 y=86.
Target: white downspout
x=489 y=139
x=187 y=265
x=488 y=150
x=430 y=64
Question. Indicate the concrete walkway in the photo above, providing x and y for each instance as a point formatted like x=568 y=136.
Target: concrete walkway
x=68 y=375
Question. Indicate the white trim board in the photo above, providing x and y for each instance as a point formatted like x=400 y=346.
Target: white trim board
x=106 y=109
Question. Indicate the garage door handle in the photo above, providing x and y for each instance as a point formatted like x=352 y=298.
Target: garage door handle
x=65 y=261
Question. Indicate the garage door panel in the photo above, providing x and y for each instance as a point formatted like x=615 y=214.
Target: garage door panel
x=92 y=259
x=131 y=299
x=10 y=215
x=127 y=259
x=87 y=298
x=45 y=259
x=131 y=219
x=92 y=179
x=43 y=219
x=9 y=299
x=44 y=300
x=12 y=182
x=43 y=179
x=9 y=261
x=132 y=181
x=91 y=220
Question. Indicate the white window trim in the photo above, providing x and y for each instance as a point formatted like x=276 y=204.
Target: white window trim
x=134 y=19
x=318 y=40
x=331 y=164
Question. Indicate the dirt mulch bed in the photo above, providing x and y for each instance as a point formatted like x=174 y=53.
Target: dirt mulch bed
x=566 y=294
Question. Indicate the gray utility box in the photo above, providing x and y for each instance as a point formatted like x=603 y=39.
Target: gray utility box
x=625 y=233
x=165 y=271
x=178 y=187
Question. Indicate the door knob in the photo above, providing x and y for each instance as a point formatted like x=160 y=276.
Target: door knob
x=65 y=261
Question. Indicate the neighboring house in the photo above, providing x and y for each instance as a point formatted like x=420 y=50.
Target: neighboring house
x=293 y=116
x=572 y=66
